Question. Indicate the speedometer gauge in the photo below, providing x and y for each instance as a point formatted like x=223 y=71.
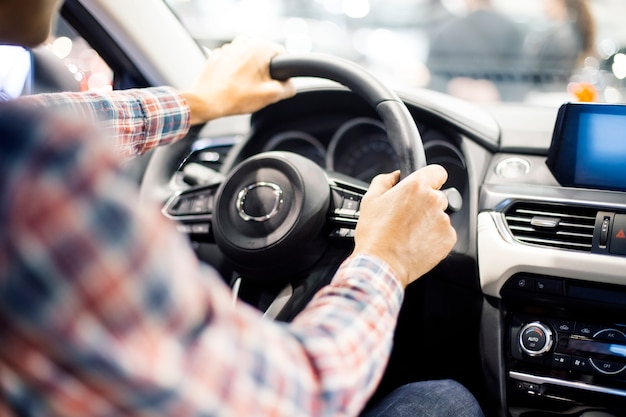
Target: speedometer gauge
x=360 y=149
x=298 y=142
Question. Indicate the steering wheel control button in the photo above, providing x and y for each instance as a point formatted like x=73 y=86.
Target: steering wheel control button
x=535 y=339
x=347 y=204
x=183 y=228
x=201 y=204
x=350 y=206
x=351 y=202
x=337 y=199
x=191 y=204
x=259 y=202
x=342 y=233
x=182 y=206
x=201 y=228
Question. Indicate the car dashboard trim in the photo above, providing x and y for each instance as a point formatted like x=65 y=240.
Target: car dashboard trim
x=500 y=257
x=540 y=380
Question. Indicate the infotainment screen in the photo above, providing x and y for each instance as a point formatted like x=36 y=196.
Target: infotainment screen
x=589 y=146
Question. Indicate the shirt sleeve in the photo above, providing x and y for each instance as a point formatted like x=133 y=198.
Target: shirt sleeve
x=105 y=310
x=137 y=119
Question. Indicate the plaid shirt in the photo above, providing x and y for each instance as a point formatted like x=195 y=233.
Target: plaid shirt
x=105 y=310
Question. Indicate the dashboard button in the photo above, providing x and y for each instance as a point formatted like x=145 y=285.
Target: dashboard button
x=549 y=286
x=535 y=339
x=618 y=235
x=604 y=231
x=563 y=326
x=611 y=335
x=607 y=367
x=531 y=388
x=586 y=329
x=581 y=364
x=560 y=360
x=522 y=282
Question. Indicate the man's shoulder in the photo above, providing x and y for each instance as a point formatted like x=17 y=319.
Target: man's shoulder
x=19 y=124
x=13 y=112
x=27 y=130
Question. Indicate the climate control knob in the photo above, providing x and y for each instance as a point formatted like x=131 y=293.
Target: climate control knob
x=536 y=339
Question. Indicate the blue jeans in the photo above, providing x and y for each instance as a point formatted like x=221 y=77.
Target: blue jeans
x=428 y=399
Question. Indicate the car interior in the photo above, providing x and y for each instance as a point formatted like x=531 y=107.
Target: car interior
x=529 y=309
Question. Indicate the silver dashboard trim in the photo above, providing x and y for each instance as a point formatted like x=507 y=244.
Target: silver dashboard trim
x=539 y=380
x=500 y=257
x=494 y=196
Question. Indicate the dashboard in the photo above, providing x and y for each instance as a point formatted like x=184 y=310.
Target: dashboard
x=532 y=278
x=552 y=273
x=340 y=133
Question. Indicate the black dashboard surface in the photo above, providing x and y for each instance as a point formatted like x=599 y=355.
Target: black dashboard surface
x=341 y=133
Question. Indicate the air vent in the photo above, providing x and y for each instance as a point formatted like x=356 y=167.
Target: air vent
x=560 y=226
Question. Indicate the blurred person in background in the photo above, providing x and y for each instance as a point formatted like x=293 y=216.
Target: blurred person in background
x=554 y=54
x=476 y=56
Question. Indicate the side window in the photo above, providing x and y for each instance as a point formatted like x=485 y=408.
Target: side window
x=15 y=70
x=65 y=62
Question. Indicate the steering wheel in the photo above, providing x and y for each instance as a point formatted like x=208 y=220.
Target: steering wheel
x=277 y=215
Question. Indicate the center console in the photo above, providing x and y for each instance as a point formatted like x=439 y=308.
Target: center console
x=551 y=240
x=554 y=320
x=565 y=346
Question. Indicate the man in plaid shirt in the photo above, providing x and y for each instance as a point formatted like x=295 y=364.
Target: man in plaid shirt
x=104 y=309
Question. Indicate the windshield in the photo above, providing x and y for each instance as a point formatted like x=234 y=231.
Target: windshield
x=533 y=51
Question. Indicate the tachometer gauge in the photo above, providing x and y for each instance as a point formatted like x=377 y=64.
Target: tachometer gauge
x=360 y=148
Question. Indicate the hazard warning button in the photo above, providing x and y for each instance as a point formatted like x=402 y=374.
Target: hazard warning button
x=618 y=235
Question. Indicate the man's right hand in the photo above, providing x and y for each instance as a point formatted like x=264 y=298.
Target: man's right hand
x=404 y=222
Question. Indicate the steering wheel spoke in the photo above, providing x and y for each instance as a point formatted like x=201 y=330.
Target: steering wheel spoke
x=193 y=211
